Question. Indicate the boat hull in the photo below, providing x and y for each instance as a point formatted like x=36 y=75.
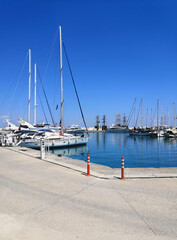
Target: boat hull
x=117 y=130
x=55 y=143
x=139 y=134
x=77 y=131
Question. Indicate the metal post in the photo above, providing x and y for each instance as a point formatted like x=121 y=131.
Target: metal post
x=122 y=169
x=88 y=165
x=42 y=142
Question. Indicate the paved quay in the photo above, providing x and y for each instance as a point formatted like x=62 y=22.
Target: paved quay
x=49 y=200
x=97 y=170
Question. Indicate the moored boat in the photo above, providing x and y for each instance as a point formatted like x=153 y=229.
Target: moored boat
x=53 y=140
x=54 y=137
x=172 y=133
x=139 y=132
x=118 y=129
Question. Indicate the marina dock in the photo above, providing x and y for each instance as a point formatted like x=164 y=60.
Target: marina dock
x=97 y=170
x=53 y=199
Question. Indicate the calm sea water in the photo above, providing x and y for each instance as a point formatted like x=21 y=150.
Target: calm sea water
x=108 y=148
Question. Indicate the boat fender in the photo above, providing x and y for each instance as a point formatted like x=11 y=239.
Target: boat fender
x=53 y=142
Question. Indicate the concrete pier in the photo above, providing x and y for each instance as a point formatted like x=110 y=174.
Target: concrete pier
x=53 y=199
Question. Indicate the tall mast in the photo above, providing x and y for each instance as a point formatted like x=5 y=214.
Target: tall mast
x=35 y=94
x=147 y=118
x=174 y=115
x=162 y=117
x=151 y=119
x=168 y=120
x=141 y=112
x=158 y=114
x=135 y=113
x=29 y=99
x=61 y=80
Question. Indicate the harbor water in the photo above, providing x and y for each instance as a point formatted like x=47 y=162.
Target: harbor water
x=139 y=152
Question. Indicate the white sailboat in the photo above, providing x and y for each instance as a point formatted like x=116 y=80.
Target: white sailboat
x=53 y=138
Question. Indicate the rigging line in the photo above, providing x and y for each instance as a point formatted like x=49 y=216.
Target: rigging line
x=2 y=103
x=19 y=78
x=51 y=50
x=129 y=118
x=50 y=54
x=19 y=94
x=42 y=106
x=154 y=114
x=131 y=112
x=75 y=88
x=45 y=96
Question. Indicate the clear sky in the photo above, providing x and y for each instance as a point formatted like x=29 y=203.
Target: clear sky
x=118 y=50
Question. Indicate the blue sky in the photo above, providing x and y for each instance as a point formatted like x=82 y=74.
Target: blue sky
x=118 y=50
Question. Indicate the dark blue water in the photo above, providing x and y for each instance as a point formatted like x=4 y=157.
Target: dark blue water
x=108 y=148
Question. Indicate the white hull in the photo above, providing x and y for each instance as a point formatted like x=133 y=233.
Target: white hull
x=55 y=143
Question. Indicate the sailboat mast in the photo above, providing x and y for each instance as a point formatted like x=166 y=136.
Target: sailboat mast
x=147 y=118
x=61 y=80
x=135 y=113
x=35 y=94
x=168 y=119
x=141 y=112
x=151 y=119
x=29 y=99
x=158 y=114
x=174 y=116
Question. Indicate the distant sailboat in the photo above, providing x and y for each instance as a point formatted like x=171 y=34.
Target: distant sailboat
x=119 y=127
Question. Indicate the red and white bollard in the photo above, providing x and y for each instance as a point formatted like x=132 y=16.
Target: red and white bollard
x=88 y=165
x=122 y=169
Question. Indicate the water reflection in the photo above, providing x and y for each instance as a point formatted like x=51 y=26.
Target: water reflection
x=108 y=148
x=104 y=140
x=98 y=139
x=70 y=151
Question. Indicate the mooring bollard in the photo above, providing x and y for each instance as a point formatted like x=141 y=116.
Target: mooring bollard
x=122 y=169
x=88 y=165
x=42 y=142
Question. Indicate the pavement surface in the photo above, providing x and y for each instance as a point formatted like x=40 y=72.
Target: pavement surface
x=53 y=199
x=97 y=170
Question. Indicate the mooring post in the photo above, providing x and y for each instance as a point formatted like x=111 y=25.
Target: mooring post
x=88 y=165
x=122 y=169
x=42 y=143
